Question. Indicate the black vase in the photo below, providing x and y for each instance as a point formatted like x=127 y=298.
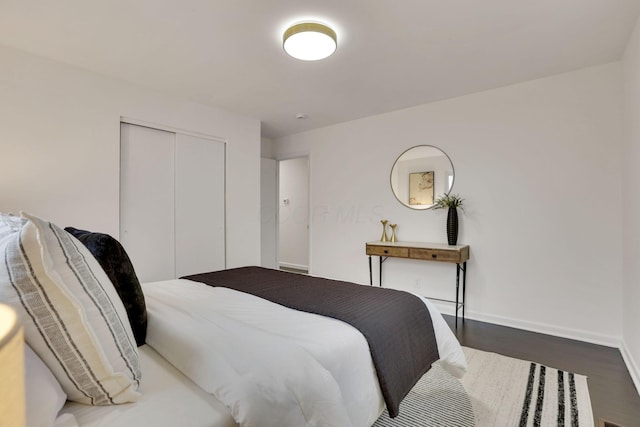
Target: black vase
x=452 y=226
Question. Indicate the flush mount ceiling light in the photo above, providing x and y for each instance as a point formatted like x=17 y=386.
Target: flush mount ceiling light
x=309 y=41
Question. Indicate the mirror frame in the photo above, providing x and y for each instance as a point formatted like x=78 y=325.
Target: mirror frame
x=418 y=207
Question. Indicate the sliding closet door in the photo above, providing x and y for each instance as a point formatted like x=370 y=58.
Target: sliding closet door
x=172 y=202
x=147 y=200
x=200 y=220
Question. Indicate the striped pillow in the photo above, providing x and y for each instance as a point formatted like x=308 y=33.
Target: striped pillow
x=73 y=318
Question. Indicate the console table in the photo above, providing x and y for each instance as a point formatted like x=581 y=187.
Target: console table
x=458 y=254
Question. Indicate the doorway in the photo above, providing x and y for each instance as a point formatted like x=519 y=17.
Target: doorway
x=293 y=214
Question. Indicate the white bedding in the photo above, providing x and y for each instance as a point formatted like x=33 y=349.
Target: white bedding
x=169 y=399
x=270 y=365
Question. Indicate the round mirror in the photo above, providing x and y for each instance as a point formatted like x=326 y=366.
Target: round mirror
x=420 y=175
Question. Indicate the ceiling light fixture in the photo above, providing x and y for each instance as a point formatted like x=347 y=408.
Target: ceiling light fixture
x=309 y=41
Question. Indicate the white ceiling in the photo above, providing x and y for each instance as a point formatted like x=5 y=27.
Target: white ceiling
x=391 y=54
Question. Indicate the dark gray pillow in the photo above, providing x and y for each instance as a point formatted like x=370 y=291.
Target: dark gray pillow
x=116 y=263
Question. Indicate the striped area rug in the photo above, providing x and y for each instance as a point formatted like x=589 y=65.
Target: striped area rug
x=438 y=399
x=512 y=392
x=496 y=391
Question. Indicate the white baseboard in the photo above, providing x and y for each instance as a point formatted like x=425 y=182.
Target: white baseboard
x=632 y=366
x=543 y=328
x=294 y=266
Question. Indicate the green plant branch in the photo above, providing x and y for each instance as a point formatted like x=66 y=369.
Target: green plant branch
x=448 y=201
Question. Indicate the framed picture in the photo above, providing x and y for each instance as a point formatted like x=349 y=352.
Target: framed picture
x=421 y=188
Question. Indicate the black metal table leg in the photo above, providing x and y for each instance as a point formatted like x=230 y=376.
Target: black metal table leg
x=457 y=291
x=464 y=287
x=370 y=273
x=380 y=258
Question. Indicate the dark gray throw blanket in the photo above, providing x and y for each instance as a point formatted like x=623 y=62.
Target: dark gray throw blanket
x=396 y=324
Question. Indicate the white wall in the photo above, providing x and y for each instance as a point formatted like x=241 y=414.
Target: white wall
x=539 y=166
x=293 y=216
x=631 y=205
x=268 y=213
x=266 y=148
x=59 y=147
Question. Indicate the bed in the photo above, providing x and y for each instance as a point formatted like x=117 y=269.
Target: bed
x=214 y=356
x=177 y=369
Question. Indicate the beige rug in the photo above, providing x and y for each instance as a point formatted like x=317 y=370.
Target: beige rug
x=510 y=392
x=496 y=391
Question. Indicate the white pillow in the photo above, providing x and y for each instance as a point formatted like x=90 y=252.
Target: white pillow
x=45 y=397
x=72 y=315
x=9 y=224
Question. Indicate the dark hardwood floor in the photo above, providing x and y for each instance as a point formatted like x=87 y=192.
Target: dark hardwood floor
x=613 y=394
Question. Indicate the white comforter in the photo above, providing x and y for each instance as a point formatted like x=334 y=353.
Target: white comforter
x=270 y=365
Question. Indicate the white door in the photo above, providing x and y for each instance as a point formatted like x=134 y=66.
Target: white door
x=147 y=200
x=200 y=220
x=172 y=203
